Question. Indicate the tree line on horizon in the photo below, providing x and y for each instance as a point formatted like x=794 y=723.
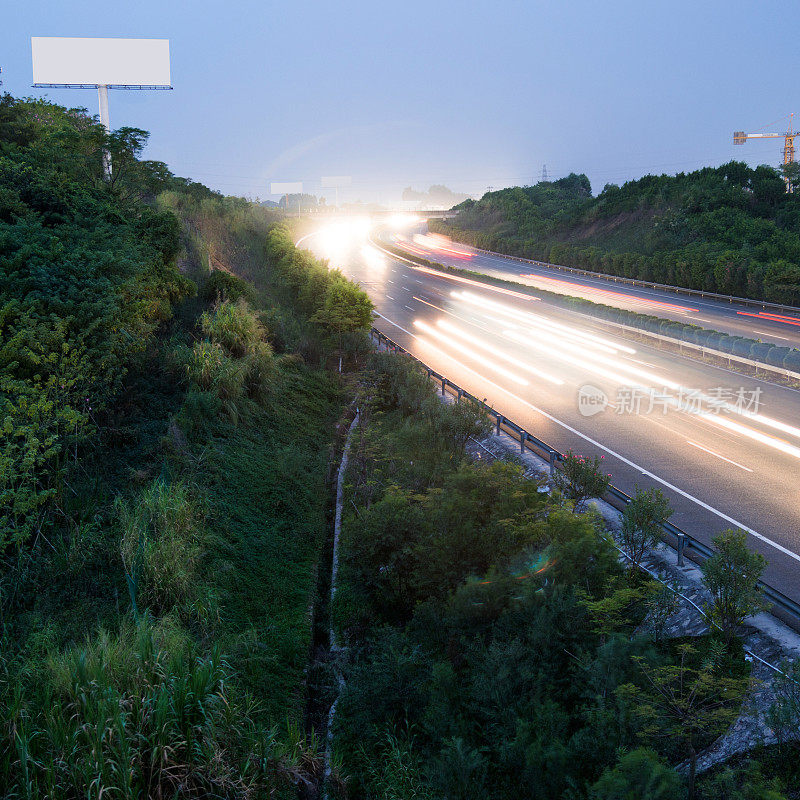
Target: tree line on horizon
x=731 y=229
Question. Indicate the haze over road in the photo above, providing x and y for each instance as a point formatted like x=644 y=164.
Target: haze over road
x=690 y=428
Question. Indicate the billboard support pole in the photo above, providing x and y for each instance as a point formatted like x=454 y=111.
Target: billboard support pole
x=100 y=63
x=105 y=120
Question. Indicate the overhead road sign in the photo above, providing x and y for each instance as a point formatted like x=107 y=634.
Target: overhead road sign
x=289 y=187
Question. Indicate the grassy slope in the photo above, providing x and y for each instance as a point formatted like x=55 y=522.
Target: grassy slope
x=265 y=478
x=266 y=484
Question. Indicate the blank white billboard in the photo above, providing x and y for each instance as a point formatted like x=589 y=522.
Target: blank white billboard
x=336 y=181
x=294 y=187
x=100 y=62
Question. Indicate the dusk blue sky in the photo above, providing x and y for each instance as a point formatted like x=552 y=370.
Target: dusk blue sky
x=470 y=94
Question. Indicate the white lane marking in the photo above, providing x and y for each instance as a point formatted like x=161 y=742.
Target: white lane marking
x=622 y=458
x=773 y=335
x=432 y=305
x=307 y=236
x=389 y=297
x=406 y=289
x=390 y=280
x=712 y=453
x=408 y=307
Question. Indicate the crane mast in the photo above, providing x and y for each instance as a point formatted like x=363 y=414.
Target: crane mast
x=740 y=137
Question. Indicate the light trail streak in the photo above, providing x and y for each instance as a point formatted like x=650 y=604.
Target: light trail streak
x=570 y=359
x=771 y=317
x=545 y=325
x=486 y=286
x=440 y=244
x=632 y=299
x=478 y=342
x=431 y=331
x=770 y=441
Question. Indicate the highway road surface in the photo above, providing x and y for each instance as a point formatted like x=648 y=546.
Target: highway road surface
x=723 y=447
x=769 y=325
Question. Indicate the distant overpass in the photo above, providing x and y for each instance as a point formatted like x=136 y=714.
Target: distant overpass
x=331 y=211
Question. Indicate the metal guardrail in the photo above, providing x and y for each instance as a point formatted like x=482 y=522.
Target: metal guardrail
x=686 y=545
x=745 y=301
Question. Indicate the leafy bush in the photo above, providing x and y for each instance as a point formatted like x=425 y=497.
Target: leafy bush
x=220 y=286
x=581 y=478
x=642 y=519
x=235 y=359
x=235 y=327
x=732 y=575
x=215 y=371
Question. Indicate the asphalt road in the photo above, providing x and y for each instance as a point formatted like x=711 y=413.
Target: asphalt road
x=723 y=447
x=731 y=318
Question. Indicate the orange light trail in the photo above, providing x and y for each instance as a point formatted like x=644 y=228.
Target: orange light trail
x=771 y=317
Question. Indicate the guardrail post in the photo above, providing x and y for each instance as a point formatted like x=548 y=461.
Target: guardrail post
x=458 y=395
x=499 y=422
x=522 y=436
x=444 y=383
x=681 y=546
x=552 y=463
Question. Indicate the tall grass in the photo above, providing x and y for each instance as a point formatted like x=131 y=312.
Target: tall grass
x=235 y=327
x=160 y=546
x=234 y=359
x=140 y=714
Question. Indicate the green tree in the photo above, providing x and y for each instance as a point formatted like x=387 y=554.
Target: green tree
x=647 y=511
x=732 y=575
x=639 y=775
x=347 y=309
x=685 y=704
x=791 y=174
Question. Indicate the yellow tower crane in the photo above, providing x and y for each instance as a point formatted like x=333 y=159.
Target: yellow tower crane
x=740 y=137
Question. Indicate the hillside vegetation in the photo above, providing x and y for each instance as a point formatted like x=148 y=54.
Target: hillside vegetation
x=168 y=413
x=729 y=229
x=175 y=377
